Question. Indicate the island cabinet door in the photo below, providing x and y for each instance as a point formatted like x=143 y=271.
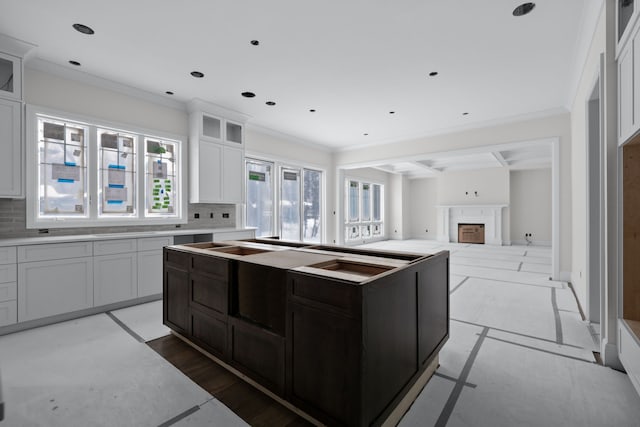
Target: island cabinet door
x=210 y=332
x=176 y=313
x=433 y=305
x=210 y=284
x=324 y=348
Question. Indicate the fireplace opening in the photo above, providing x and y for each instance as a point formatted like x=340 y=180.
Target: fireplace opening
x=471 y=233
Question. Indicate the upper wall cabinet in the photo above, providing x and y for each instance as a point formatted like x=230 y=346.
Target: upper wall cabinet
x=10 y=76
x=12 y=52
x=216 y=154
x=629 y=85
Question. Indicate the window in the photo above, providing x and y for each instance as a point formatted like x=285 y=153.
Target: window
x=294 y=212
x=87 y=174
x=260 y=204
x=364 y=214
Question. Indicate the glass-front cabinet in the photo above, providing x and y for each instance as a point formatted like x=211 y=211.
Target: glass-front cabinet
x=10 y=76
x=625 y=12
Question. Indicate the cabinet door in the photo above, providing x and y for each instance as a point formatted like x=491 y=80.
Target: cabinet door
x=47 y=288
x=210 y=174
x=10 y=141
x=114 y=278
x=636 y=81
x=10 y=76
x=625 y=93
x=8 y=314
x=176 y=314
x=149 y=273
x=232 y=168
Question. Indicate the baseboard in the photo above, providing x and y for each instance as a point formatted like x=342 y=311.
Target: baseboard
x=543 y=243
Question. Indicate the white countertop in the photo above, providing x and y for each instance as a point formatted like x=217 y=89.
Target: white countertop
x=111 y=236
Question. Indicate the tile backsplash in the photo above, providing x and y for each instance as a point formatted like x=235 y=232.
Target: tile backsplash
x=13 y=221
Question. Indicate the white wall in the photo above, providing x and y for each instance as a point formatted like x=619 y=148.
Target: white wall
x=423 y=198
x=48 y=90
x=530 y=205
x=558 y=125
x=578 y=162
x=459 y=187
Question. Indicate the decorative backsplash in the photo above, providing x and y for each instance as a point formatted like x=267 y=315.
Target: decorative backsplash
x=13 y=221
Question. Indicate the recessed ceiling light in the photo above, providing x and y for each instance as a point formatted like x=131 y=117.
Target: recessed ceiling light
x=433 y=74
x=76 y=63
x=312 y=110
x=83 y=29
x=169 y=92
x=366 y=134
x=270 y=103
x=197 y=74
x=392 y=112
x=248 y=94
x=523 y=9
x=465 y=114
x=255 y=42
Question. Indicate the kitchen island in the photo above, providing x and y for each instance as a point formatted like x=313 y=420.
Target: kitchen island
x=345 y=335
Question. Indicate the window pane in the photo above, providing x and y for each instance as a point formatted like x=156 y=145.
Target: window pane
x=260 y=197
x=366 y=202
x=354 y=201
x=290 y=205
x=312 y=206
x=116 y=173
x=161 y=175
x=377 y=203
x=62 y=160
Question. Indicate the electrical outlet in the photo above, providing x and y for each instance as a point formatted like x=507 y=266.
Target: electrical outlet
x=196 y=215
x=211 y=215
x=225 y=215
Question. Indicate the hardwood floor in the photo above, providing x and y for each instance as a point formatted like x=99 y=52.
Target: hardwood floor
x=250 y=404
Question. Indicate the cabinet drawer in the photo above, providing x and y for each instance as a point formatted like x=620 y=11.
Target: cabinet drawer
x=8 y=273
x=113 y=247
x=233 y=235
x=8 y=313
x=8 y=255
x=209 y=265
x=177 y=259
x=8 y=291
x=154 y=243
x=52 y=251
x=209 y=293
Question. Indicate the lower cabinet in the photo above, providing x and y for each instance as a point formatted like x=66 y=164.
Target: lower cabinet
x=176 y=313
x=115 y=278
x=8 y=312
x=257 y=352
x=210 y=332
x=149 y=273
x=47 y=288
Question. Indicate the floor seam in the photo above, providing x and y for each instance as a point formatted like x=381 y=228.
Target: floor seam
x=556 y=315
x=180 y=416
x=125 y=327
x=530 y=347
x=459 y=284
x=457 y=388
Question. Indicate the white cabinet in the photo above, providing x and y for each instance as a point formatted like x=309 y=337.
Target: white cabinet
x=150 y=265
x=216 y=154
x=625 y=94
x=10 y=141
x=8 y=286
x=115 y=272
x=114 y=278
x=47 y=288
x=10 y=76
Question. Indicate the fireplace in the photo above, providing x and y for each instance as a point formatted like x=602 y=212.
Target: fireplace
x=471 y=233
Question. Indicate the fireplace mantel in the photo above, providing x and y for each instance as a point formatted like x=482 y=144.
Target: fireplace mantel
x=449 y=216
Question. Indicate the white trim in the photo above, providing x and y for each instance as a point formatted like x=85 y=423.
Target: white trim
x=563 y=276
x=536 y=243
x=42 y=65
x=555 y=209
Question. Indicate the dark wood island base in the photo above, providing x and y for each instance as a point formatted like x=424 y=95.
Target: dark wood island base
x=341 y=336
